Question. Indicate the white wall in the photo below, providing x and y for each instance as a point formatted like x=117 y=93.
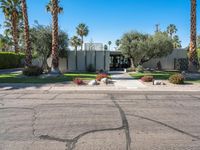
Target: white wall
x=168 y=61
x=97 y=63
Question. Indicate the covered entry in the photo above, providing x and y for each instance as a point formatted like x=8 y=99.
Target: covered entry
x=118 y=62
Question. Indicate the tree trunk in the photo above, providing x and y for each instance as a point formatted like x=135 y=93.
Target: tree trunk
x=76 y=59
x=132 y=63
x=15 y=32
x=55 y=56
x=81 y=43
x=28 y=59
x=193 y=61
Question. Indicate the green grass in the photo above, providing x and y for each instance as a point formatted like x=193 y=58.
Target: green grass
x=18 y=78
x=161 y=75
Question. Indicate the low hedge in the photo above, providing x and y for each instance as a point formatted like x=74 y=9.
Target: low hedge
x=11 y=60
x=32 y=71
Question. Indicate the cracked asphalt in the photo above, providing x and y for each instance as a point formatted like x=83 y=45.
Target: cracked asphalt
x=92 y=120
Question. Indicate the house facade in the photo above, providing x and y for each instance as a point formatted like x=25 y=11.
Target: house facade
x=115 y=61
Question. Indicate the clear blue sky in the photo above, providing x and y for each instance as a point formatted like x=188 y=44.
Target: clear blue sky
x=109 y=19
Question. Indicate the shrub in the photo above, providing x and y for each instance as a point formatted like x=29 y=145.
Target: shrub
x=78 y=81
x=101 y=76
x=11 y=60
x=147 y=78
x=33 y=71
x=90 y=68
x=177 y=79
x=140 y=69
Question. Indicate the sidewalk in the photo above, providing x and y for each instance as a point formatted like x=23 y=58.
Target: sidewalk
x=124 y=81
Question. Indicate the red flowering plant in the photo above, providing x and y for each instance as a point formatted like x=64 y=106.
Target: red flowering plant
x=101 y=76
x=147 y=78
x=78 y=81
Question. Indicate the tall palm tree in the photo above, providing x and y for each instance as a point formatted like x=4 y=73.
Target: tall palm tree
x=109 y=43
x=76 y=42
x=193 y=60
x=54 y=8
x=82 y=30
x=117 y=43
x=171 y=29
x=13 y=15
x=28 y=60
x=176 y=42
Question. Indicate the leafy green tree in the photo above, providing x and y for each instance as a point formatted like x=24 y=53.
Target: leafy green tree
x=5 y=43
x=82 y=30
x=13 y=16
x=130 y=46
x=171 y=30
x=41 y=42
x=156 y=46
x=141 y=48
x=76 y=42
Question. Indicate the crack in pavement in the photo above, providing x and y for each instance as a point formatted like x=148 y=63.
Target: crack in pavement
x=166 y=125
x=71 y=143
x=33 y=116
x=124 y=123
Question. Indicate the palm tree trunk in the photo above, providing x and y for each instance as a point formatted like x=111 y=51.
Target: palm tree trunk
x=193 y=61
x=76 y=59
x=55 y=57
x=28 y=60
x=15 y=33
x=81 y=43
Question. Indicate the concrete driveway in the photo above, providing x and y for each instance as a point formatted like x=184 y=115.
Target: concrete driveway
x=92 y=120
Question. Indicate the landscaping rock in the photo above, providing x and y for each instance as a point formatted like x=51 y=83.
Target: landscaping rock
x=104 y=80
x=93 y=82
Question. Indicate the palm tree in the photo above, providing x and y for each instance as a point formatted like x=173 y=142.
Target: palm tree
x=28 y=60
x=13 y=15
x=76 y=42
x=171 y=29
x=176 y=42
x=109 y=43
x=117 y=42
x=193 y=60
x=54 y=8
x=82 y=30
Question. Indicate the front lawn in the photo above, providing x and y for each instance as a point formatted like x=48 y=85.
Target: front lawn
x=159 y=75
x=18 y=78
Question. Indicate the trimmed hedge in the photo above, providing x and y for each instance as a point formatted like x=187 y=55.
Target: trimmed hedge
x=11 y=60
x=32 y=71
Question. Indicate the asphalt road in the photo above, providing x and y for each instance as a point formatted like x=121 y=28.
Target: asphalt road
x=44 y=120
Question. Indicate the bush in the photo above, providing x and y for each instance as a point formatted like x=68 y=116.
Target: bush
x=11 y=60
x=101 y=76
x=147 y=78
x=90 y=68
x=177 y=79
x=33 y=71
x=140 y=69
x=78 y=81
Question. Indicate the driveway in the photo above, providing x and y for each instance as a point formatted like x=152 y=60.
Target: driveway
x=94 y=120
x=5 y=71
